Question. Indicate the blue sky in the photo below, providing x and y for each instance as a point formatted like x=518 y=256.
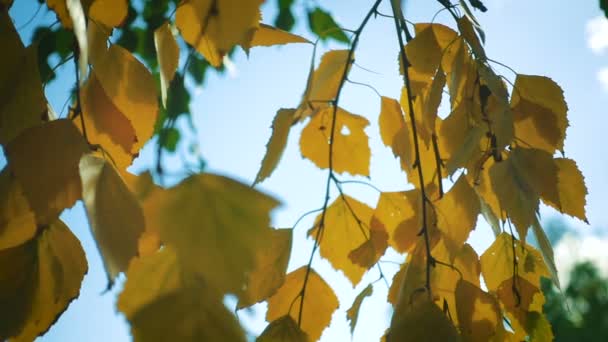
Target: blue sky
x=564 y=40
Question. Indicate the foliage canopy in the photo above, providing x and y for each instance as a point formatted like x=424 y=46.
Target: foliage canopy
x=183 y=248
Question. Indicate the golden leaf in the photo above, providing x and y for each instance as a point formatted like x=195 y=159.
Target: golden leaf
x=22 y=102
x=111 y=13
x=97 y=37
x=17 y=221
x=571 y=187
x=397 y=210
x=369 y=252
x=284 y=329
x=457 y=214
x=459 y=139
x=162 y=303
x=49 y=272
x=479 y=315
x=352 y=314
x=267 y=35
x=214 y=27
x=345 y=228
x=167 y=53
x=539 y=110
x=425 y=51
x=424 y=321
x=546 y=250
x=45 y=160
x=466 y=30
x=215 y=224
x=131 y=88
x=497 y=262
x=270 y=268
x=281 y=126
x=106 y=125
x=319 y=304
x=323 y=84
x=393 y=129
x=350 y=150
x=114 y=214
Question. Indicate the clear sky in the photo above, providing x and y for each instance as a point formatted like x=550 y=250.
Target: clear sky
x=565 y=40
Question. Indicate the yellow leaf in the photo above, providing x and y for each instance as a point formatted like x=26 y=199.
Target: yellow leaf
x=114 y=214
x=97 y=37
x=546 y=250
x=319 y=304
x=111 y=13
x=22 y=102
x=571 y=187
x=270 y=268
x=350 y=152
x=323 y=84
x=214 y=27
x=424 y=321
x=522 y=301
x=368 y=253
x=162 y=303
x=281 y=126
x=462 y=76
x=215 y=224
x=517 y=197
x=345 y=227
x=429 y=102
x=45 y=160
x=352 y=314
x=457 y=214
x=479 y=314
x=17 y=221
x=425 y=51
x=167 y=53
x=50 y=271
x=284 y=329
x=466 y=30
x=106 y=125
x=131 y=88
x=459 y=139
x=399 y=212
x=479 y=176
x=539 y=110
x=497 y=262
x=267 y=35
x=393 y=129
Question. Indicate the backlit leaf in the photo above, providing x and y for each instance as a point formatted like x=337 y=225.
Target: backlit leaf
x=320 y=302
x=479 y=314
x=323 y=25
x=572 y=188
x=214 y=27
x=546 y=250
x=130 y=87
x=50 y=270
x=457 y=214
x=270 y=268
x=368 y=253
x=22 y=102
x=162 y=303
x=45 y=161
x=267 y=35
x=281 y=126
x=393 y=129
x=351 y=151
x=539 y=110
x=497 y=262
x=345 y=228
x=167 y=53
x=425 y=51
x=284 y=329
x=465 y=26
x=17 y=221
x=352 y=314
x=323 y=84
x=97 y=38
x=111 y=13
x=424 y=321
x=215 y=224
x=399 y=211
x=114 y=214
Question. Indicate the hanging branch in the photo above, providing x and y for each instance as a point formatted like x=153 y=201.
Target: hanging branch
x=430 y=262
x=330 y=175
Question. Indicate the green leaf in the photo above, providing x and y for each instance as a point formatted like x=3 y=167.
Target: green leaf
x=325 y=27
x=171 y=140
